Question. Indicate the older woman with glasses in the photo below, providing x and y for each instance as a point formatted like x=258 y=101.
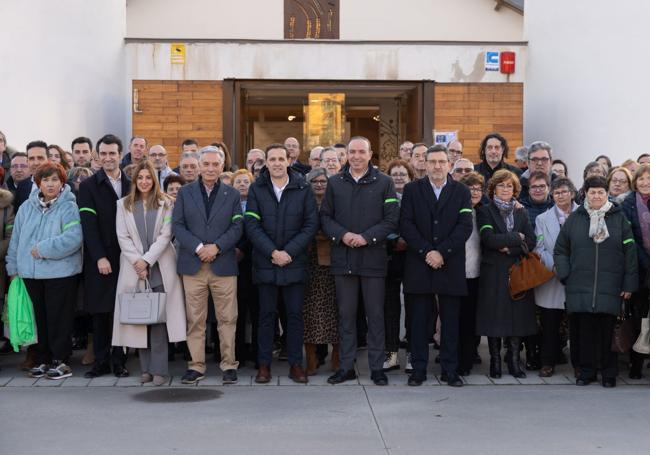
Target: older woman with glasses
x=320 y=313
x=504 y=227
x=549 y=297
x=619 y=184
x=401 y=173
x=595 y=257
x=330 y=161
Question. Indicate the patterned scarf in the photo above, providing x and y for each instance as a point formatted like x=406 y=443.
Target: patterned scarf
x=506 y=209
x=45 y=205
x=597 y=226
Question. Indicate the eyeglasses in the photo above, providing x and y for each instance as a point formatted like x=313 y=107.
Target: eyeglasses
x=561 y=193
x=330 y=160
x=399 y=174
x=619 y=181
x=505 y=186
x=319 y=182
x=463 y=170
x=437 y=162
x=538 y=187
x=475 y=189
x=455 y=152
x=545 y=159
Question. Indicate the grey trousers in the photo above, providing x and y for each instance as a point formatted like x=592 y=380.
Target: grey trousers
x=153 y=360
x=347 y=297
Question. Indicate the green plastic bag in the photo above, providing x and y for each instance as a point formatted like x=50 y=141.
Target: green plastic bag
x=22 y=324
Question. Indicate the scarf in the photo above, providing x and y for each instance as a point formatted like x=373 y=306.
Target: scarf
x=644 y=219
x=45 y=206
x=506 y=209
x=561 y=216
x=597 y=226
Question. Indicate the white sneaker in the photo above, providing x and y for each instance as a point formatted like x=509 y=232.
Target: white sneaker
x=391 y=362
x=409 y=367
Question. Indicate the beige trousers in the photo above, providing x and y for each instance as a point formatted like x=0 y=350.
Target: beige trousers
x=224 y=295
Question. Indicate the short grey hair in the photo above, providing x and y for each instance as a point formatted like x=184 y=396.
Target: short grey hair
x=316 y=173
x=329 y=149
x=212 y=149
x=521 y=153
x=540 y=145
x=190 y=155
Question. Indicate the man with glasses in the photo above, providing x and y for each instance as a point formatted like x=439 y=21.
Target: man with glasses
x=435 y=262
x=461 y=168
x=330 y=161
x=454 y=151
x=158 y=157
x=19 y=171
x=540 y=159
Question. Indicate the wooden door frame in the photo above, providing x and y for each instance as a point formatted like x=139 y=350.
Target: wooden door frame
x=232 y=103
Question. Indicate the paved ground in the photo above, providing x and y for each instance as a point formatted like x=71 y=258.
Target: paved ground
x=531 y=416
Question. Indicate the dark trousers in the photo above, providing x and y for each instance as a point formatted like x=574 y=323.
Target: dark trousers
x=293 y=297
x=551 y=320
x=392 y=312
x=248 y=309
x=102 y=337
x=596 y=345
x=421 y=313
x=574 y=339
x=54 y=304
x=347 y=297
x=467 y=330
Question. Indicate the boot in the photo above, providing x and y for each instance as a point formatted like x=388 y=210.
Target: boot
x=30 y=358
x=335 y=357
x=494 y=344
x=533 y=352
x=89 y=356
x=312 y=359
x=514 y=367
x=636 y=365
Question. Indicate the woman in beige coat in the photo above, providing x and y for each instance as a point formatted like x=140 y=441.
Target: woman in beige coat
x=143 y=226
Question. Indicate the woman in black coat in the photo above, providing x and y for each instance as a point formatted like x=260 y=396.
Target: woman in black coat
x=503 y=228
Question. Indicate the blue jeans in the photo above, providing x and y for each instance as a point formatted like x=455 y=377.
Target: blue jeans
x=293 y=297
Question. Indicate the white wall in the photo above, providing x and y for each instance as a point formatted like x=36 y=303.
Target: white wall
x=448 y=20
x=587 y=89
x=63 y=72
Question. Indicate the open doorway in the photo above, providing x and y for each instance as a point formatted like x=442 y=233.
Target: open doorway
x=258 y=113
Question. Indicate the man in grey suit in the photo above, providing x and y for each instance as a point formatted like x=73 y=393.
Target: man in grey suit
x=207 y=223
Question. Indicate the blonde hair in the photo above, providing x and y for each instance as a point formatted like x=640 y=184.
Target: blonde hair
x=152 y=202
x=245 y=172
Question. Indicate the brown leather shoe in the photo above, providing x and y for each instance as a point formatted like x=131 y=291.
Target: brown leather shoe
x=546 y=371
x=263 y=374
x=30 y=359
x=297 y=374
x=311 y=358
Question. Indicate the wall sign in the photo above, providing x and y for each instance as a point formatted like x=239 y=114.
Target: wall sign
x=491 y=61
x=177 y=53
x=311 y=19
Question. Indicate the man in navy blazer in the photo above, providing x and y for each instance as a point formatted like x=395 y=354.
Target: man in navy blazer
x=435 y=221
x=207 y=223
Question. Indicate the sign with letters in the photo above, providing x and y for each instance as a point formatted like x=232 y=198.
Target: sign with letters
x=492 y=61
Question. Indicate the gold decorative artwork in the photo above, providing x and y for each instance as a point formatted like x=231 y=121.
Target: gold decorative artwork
x=324 y=119
x=311 y=19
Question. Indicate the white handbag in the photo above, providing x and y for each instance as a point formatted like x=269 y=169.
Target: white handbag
x=143 y=308
x=642 y=345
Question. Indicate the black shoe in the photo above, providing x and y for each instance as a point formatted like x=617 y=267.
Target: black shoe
x=583 y=380
x=97 y=371
x=464 y=372
x=454 y=381
x=609 y=383
x=120 y=371
x=513 y=361
x=379 y=377
x=6 y=348
x=230 y=376
x=192 y=377
x=342 y=376
x=494 y=344
x=416 y=379
x=635 y=374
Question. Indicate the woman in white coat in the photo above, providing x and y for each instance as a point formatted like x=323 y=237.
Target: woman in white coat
x=144 y=232
x=550 y=296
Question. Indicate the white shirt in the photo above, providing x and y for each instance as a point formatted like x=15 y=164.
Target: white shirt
x=437 y=190
x=116 y=184
x=279 y=190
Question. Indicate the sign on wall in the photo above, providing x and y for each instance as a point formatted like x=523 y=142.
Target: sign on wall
x=492 y=61
x=177 y=53
x=311 y=19
x=444 y=137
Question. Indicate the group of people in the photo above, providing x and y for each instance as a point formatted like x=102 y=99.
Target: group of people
x=327 y=253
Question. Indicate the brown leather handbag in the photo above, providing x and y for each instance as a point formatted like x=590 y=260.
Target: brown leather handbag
x=527 y=273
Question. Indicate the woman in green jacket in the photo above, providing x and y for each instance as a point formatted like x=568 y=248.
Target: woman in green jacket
x=595 y=257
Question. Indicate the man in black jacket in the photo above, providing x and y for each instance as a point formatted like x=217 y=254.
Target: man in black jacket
x=293 y=149
x=358 y=213
x=97 y=205
x=436 y=221
x=36 y=155
x=281 y=220
x=493 y=153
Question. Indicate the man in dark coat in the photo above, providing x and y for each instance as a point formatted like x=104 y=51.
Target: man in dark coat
x=359 y=211
x=137 y=152
x=540 y=159
x=207 y=223
x=293 y=148
x=281 y=221
x=493 y=153
x=436 y=221
x=36 y=155
x=97 y=205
